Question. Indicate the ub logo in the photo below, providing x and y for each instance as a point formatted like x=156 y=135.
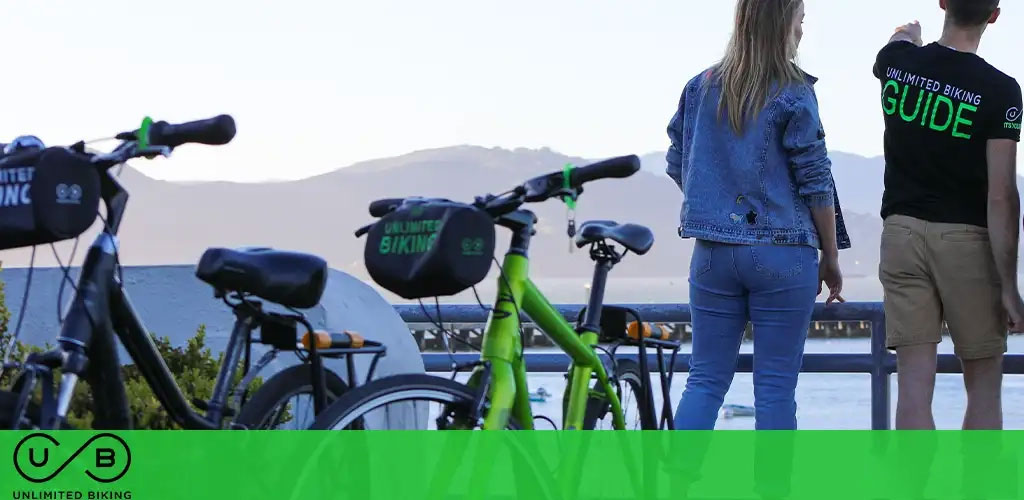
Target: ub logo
x=105 y=458
x=69 y=194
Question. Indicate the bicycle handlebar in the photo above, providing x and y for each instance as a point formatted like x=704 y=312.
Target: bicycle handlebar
x=619 y=168
x=212 y=131
x=534 y=190
x=163 y=138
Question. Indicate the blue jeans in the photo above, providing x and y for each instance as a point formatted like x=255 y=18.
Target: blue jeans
x=775 y=288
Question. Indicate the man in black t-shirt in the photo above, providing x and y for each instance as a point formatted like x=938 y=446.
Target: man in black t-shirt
x=951 y=210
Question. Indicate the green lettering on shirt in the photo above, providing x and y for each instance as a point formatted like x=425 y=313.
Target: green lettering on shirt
x=935 y=110
x=917 y=108
x=960 y=120
x=889 y=104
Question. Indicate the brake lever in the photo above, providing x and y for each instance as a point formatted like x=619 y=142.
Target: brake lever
x=150 y=152
x=540 y=188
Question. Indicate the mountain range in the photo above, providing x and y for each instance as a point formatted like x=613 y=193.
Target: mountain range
x=172 y=223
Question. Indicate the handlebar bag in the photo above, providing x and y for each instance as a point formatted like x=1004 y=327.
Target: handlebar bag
x=433 y=249
x=46 y=196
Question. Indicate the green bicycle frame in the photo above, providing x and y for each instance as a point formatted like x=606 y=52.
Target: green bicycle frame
x=502 y=349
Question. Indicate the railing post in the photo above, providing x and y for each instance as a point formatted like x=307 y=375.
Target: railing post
x=881 y=414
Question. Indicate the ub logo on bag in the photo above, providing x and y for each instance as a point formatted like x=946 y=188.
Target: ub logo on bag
x=473 y=246
x=69 y=194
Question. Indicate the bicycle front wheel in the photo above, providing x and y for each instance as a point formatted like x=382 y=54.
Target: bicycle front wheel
x=30 y=421
x=407 y=402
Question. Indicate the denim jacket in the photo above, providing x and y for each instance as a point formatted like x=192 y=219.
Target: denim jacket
x=758 y=187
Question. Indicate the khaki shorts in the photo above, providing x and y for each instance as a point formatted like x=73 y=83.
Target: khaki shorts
x=934 y=272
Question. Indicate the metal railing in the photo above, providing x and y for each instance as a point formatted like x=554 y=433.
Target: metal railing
x=879 y=362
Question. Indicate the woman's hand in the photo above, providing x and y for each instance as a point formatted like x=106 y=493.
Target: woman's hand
x=831 y=276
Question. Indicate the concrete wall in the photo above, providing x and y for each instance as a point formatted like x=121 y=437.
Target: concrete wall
x=172 y=302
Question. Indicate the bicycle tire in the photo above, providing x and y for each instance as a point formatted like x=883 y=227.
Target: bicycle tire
x=356 y=403
x=8 y=400
x=292 y=381
x=628 y=372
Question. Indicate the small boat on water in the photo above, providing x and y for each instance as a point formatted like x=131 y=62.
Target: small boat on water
x=733 y=411
x=540 y=395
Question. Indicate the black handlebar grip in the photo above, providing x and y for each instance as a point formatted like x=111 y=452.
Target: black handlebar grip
x=380 y=208
x=212 y=131
x=621 y=167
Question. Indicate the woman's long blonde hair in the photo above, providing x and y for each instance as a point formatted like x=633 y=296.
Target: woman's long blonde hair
x=760 y=57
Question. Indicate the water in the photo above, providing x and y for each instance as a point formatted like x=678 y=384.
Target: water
x=825 y=401
x=632 y=290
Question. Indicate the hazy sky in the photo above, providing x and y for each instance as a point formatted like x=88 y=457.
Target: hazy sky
x=316 y=85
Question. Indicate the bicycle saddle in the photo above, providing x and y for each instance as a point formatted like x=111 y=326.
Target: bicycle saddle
x=638 y=239
x=291 y=279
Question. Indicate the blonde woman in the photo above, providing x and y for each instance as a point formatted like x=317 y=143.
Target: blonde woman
x=748 y=152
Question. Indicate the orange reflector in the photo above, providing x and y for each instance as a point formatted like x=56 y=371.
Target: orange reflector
x=656 y=331
x=323 y=340
x=326 y=340
x=356 y=339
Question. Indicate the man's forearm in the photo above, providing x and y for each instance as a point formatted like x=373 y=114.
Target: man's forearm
x=1004 y=233
x=904 y=37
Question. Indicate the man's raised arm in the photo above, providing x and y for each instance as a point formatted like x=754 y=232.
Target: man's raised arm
x=910 y=32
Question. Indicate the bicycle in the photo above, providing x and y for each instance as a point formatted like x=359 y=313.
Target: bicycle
x=496 y=395
x=101 y=308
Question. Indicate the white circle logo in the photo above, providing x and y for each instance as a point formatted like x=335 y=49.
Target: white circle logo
x=1012 y=114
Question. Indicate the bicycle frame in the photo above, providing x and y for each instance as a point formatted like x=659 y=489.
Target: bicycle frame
x=502 y=349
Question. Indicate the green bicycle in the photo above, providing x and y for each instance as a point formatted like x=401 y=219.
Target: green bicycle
x=433 y=247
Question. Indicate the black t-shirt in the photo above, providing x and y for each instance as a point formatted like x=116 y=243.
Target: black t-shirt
x=941 y=107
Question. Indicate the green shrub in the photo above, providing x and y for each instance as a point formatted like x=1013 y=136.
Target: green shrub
x=193 y=365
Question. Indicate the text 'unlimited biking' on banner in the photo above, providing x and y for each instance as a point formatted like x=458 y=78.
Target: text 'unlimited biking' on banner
x=284 y=465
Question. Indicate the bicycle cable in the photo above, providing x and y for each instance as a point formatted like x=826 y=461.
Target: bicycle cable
x=445 y=333
x=549 y=420
x=615 y=365
x=67 y=277
x=117 y=254
x=522 y=333
x=478 y=301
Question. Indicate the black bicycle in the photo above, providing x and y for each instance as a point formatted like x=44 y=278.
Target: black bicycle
x=623 y=326
x=101 y=308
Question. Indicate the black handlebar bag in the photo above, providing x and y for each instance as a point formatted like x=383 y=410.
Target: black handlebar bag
x=433 y=249
x=46 y=196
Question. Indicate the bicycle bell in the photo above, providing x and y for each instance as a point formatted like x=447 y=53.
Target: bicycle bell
x=23 y=143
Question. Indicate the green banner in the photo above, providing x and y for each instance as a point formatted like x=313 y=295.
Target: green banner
x=531 y=465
